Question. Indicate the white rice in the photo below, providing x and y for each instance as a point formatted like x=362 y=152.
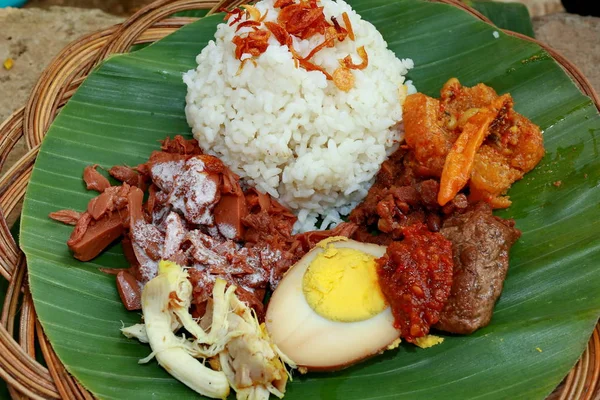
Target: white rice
x=292 y=133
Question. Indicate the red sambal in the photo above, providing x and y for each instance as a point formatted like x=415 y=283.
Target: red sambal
x=415 y=276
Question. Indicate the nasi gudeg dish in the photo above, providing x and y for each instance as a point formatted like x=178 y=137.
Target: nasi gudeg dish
x=246 y=266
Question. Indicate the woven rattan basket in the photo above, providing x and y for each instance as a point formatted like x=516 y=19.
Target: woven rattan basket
x=21 y=335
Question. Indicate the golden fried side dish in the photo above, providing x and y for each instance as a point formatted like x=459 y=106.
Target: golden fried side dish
x=471 y=137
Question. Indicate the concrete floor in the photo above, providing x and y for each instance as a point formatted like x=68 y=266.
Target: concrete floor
x=115 y=7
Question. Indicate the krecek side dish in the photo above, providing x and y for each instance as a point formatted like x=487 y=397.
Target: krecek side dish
x=324 y=211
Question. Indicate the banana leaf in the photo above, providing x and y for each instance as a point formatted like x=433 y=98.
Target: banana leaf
x=512 y=16
x=550 y=302
x=186 y=13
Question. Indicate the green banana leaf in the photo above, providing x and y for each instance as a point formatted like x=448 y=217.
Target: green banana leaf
x=512 y=16
x=550 y=302
x=186 y=13
x=191 y=13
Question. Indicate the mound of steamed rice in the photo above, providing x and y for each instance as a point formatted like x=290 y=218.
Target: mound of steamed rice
x=292 y=133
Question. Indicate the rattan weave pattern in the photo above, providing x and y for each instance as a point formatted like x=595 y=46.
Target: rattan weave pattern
x=19 y=328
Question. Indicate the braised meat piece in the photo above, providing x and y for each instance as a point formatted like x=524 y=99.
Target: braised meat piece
x=130 y=176
x=94 y=180
x=480 y=244
x=267 y=221
x=67 y=217
x=179 y=145
x=196 y=215
x=100 y=225
x=401 y=196
x=95 y=236
x=304 y=242
x=129 y=290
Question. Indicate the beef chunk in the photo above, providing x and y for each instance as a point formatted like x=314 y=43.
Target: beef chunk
x=480 y=247
x=400 y=197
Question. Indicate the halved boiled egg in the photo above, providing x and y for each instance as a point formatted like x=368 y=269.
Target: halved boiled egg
x=328 y=311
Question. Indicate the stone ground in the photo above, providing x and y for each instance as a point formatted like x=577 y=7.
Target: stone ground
x=539 y=7
x=116 y=7
x=575 y=37
x=32 y=37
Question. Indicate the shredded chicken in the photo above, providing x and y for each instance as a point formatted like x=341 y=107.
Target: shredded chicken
x=229 y=335
x=301 y=20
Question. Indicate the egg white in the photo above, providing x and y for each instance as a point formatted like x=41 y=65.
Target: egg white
x=315 y=342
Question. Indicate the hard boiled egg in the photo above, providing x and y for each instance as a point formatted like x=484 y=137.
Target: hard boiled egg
x=328 y=311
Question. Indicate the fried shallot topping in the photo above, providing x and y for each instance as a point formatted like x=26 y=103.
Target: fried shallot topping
x=341 y=32
x=302 y=20
x=347 y=61
x=307 y=65
x=247 y=24
x=348 y=25
x=238 y=13
x=253 y=12
x=343 y=79
x=278 y=31
x=254 y=43
x=283 y=3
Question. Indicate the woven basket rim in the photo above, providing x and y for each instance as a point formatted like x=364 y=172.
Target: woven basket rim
x=26 y=377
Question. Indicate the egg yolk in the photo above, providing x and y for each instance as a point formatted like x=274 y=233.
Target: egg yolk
x=341 y=284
